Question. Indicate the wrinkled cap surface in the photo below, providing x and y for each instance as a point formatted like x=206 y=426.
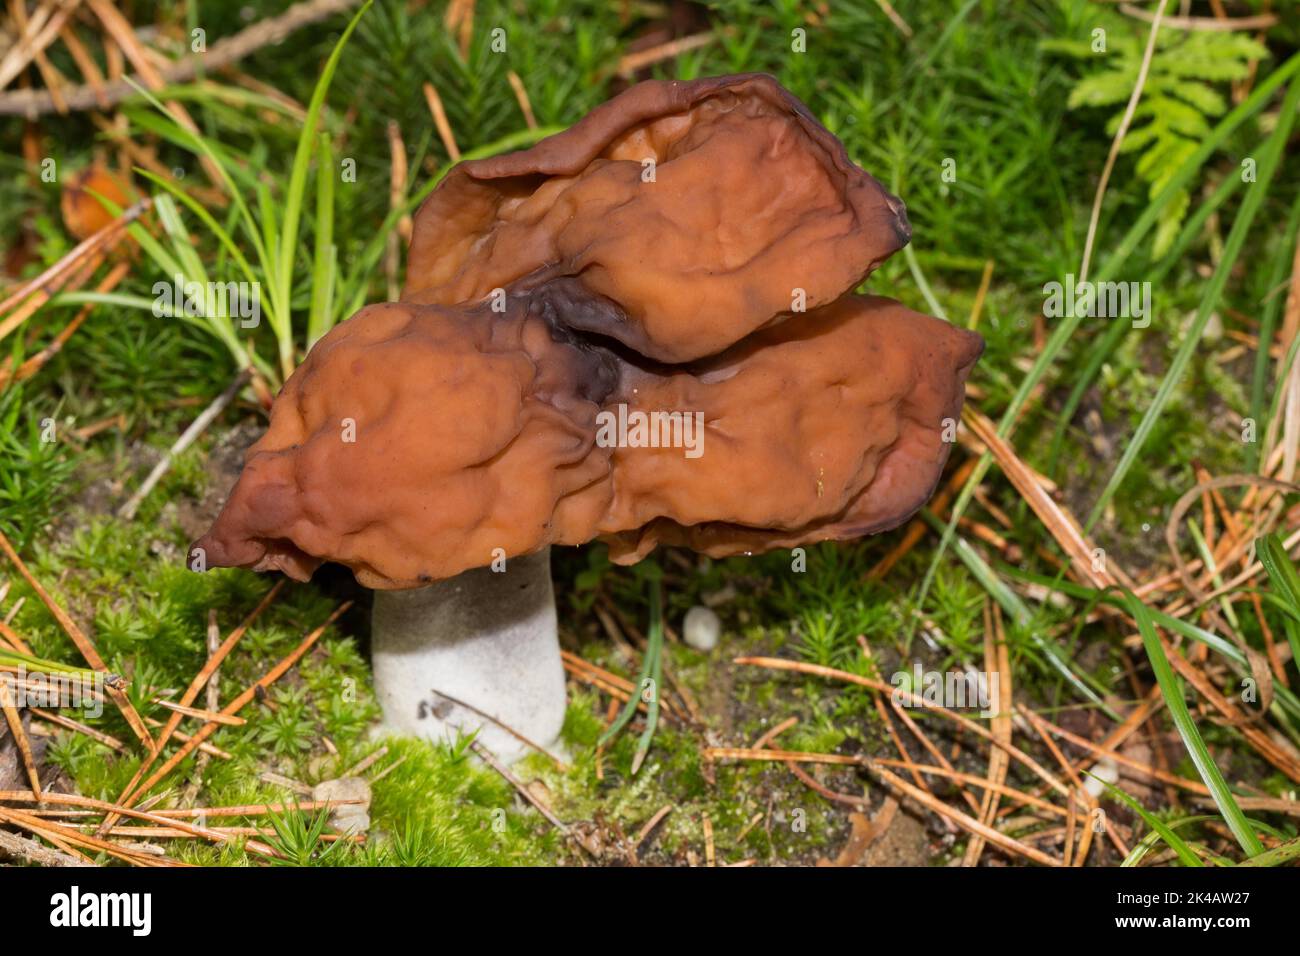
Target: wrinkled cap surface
x=416 y=442
x=700 y=210
x=584 y=351
x=828 y=428
x=411 y=443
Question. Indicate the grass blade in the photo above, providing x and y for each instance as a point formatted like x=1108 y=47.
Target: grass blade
x=1286 y=581
x=1267 y=326
x=298 y=184
x=352 y=294
x=1019 y=612
x=1064 y=333
x=194 y=206
x=1271 y=553
x=650 y=666
x=1209 y=302
x=1284 y=700
x=1116 y=332
x=199 y=145
x=1286 y=853
x=1176 y=843
x=325 y=260
x=654 y=650
x=1172 y=691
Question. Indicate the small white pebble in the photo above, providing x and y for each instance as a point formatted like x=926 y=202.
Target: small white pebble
x=1213 y=330
x=349 y=818
x=701 y=628
x=1107 y=770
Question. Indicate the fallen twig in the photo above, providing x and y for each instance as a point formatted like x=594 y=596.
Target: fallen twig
x=79 y=261
x=222 y=53
x=75 y=800
x=236 y=705
x=87 y=649
x=779 y=663
x=21 y=743
x=197 y=427
x=559 y=764
x=30 y=851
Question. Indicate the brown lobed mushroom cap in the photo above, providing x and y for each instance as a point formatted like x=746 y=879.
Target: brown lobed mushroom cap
x=557 y=300
x=829 y=428
x=477 y=431
x=411 y=443
x=751 y=199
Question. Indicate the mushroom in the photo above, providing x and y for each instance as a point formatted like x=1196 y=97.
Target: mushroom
x=683 y=215
x=439 y=446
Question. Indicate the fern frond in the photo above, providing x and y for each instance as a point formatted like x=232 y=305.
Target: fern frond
x=1179 y=101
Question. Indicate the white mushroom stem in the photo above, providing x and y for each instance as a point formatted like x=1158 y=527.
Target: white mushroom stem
x=485 y=638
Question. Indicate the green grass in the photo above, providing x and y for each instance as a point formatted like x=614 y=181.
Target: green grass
x=148 y=621
x=981 y=84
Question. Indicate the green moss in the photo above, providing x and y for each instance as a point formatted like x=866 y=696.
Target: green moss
x=1025 y=176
